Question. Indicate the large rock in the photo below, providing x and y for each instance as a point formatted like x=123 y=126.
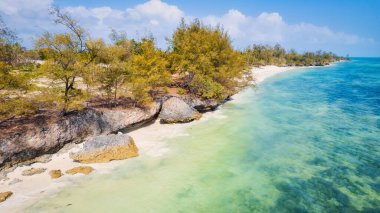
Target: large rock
x=43 y=134
x=106 y=148
x=175 y=110
x=120 y=120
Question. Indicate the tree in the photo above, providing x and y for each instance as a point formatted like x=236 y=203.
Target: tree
x=114 y=64
x=67 y=55
x=10 y=50
x=149 y=69
x=205 y=56
x=11 y=81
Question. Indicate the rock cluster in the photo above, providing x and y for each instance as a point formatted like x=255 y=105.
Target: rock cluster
x=106 y=148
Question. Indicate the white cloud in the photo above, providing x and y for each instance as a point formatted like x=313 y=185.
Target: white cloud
x=233 y=21
x=31 y=18
x=17 y=7
x=152 y=17
x=155 y=9
x=27 y=18
x=271 y=28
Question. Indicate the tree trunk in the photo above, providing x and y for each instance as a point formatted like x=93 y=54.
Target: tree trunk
x=66 y=98
x=115 y=95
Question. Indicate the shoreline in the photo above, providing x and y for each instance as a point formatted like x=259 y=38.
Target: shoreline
x=150 y=140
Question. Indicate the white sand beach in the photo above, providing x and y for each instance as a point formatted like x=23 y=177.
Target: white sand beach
x=151 y=141
x=262 y=73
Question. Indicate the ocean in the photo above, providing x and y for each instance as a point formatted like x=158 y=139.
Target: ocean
x=302 y=141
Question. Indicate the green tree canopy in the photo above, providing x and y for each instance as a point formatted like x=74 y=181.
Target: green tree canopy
x=149 y=68
x=206 y=57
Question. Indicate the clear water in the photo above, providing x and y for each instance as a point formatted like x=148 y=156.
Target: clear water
x=304 y=141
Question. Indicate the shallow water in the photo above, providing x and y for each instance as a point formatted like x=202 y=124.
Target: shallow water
x=303 y=141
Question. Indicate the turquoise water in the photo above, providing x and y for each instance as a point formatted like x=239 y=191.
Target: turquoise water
x=303 y=141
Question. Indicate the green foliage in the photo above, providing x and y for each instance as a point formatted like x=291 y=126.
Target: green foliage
x=181 y=91
x=12 y=80
x=140 y=92
x=260 y=55
x=113 y=61
x=66 y=56
x=204 y=86
x=199 y=51
x=149 y=69
x=16 y=106
x=149 y=64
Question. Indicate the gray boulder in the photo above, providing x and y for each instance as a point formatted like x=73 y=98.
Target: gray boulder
x=201 y=105
x=175 y=110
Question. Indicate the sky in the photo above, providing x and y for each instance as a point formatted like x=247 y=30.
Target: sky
x=341 y=26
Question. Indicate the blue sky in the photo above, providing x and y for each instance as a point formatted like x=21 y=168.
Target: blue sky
x=344 y=27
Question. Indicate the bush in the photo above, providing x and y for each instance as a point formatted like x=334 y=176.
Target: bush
x=140 y=94
x=16 y=107
x=181 y=91
x=205 y=87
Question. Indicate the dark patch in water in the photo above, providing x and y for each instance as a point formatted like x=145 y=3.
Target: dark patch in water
x=318 y=161
x=312 y=195
x=339 y=176
x=375 y=187
x=244 y=201
x=369 y=169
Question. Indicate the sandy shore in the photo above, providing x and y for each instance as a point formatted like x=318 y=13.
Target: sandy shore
x=151 y=141
x=262 y=73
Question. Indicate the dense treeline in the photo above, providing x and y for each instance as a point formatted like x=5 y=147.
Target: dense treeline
x=259 y=55
x=70 y=70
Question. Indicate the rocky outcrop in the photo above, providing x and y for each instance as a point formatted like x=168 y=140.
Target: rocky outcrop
x=80 y=169
x=5 y=195
x=33 y=171
x=45 y=135
x=201 y=105
x=54 y=174
x=22 y=143
x=106 y=148
x=175 y=110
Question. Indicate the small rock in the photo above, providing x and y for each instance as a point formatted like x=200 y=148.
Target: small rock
x=33 y=171
x=5 y=195
x=54 y=174
x=14 y=181
x=80 y=169
x=106 y=148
